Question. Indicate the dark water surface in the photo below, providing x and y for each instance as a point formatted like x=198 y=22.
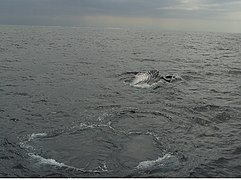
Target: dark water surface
x=67 y=111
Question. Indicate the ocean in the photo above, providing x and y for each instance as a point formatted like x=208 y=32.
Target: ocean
x=68 y=107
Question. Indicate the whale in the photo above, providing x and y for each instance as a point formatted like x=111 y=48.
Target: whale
x=151 y=77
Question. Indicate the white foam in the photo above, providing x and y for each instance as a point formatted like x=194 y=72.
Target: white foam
x=176 y=77
x=33 y=136
x=153 y=134
x=24 y=145
x=143 y=85
x=146 y=85
x=53 y=162
x=104 y=168
x=92 y=126
x=145 y=165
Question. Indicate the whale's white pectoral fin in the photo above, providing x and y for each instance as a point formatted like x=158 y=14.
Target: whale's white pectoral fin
x=146 y=79
x=141 y=78
x=152 y=78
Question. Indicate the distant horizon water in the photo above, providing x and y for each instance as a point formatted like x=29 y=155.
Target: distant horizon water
x=125 y=27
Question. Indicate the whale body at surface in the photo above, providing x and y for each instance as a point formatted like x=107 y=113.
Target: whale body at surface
x=151 y=78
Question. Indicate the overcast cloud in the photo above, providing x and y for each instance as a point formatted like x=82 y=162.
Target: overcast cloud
x=208 y=15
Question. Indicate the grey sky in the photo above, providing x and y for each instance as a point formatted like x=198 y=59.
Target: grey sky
x=207 y=15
